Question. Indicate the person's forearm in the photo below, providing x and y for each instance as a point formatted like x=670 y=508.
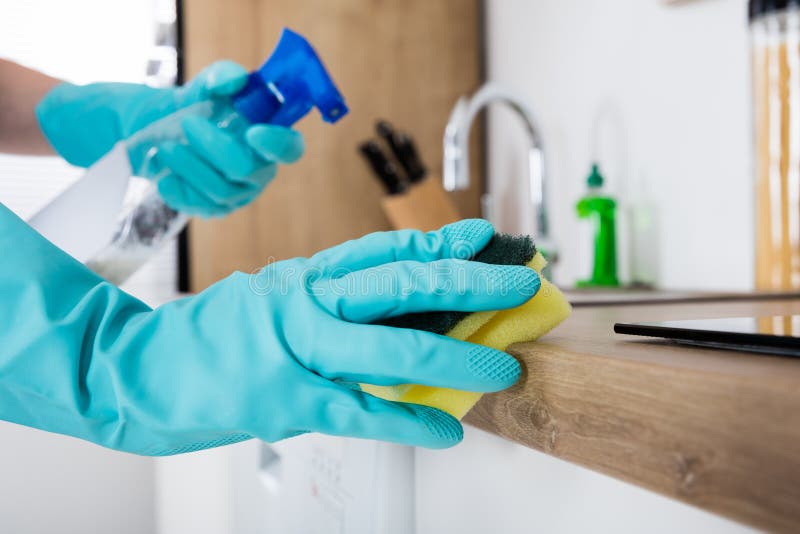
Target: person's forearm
x=20 y=90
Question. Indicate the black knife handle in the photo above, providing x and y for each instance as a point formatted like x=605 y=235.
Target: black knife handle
x=385 y=170
x=404 y=150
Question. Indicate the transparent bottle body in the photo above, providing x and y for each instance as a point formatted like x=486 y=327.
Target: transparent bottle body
x=776 y=122
x=146 y=223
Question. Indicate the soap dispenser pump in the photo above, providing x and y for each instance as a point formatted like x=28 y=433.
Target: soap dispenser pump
x=601 y=209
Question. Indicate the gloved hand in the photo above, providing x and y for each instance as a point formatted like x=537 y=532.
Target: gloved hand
x=269 y=355
x=215 y=174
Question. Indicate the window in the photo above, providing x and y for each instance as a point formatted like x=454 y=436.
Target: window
x=84 y=41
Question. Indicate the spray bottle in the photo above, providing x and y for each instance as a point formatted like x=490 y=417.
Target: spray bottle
x=284 y=89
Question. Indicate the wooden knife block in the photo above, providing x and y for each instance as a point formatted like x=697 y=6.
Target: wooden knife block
x=425 y=206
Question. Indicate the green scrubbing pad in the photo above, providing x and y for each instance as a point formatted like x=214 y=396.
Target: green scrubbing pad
x=496 y=329
x=503 y=249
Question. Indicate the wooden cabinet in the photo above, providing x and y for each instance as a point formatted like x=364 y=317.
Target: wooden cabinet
x=404 y=60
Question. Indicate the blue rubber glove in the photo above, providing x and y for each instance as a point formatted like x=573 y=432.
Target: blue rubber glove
x=211 y=176
x=269 y=355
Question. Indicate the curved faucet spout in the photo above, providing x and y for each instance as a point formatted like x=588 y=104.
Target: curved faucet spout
x=456 y=149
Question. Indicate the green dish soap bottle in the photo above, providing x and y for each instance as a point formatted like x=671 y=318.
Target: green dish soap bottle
x=601 y=209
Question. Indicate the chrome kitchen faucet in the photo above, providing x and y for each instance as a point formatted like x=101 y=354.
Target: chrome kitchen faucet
x=456 y=155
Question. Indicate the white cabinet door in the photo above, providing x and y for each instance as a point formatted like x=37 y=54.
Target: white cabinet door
x=488 y=484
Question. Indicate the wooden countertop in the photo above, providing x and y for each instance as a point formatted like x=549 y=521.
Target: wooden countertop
x=716 y=429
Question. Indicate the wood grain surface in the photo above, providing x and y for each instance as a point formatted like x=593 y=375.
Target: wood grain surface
x=716 y=429
x=403 y=60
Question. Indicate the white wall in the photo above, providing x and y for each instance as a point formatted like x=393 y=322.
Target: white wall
x=673 y=81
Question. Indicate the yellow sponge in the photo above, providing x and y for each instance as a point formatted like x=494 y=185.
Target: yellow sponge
x=496 y=329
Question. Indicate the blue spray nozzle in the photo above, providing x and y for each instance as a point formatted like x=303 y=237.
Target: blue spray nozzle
x=288 y=85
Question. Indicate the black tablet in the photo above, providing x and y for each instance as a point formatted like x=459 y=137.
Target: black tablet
x=771 y=335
